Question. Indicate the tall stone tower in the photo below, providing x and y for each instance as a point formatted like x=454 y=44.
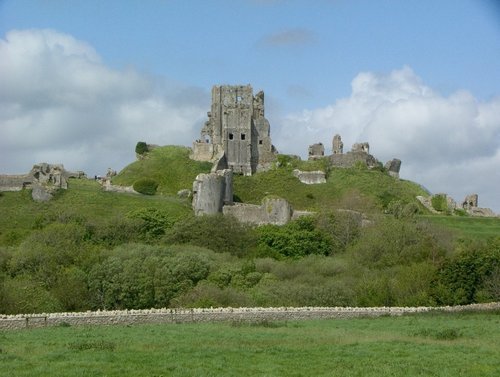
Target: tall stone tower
x=337 y=145
x=236 y=130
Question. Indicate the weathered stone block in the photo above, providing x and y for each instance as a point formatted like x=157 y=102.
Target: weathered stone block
x=310 y=177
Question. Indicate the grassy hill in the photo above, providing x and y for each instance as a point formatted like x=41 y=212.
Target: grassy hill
x=84 y=199
x=345 y=188
x=170 y=166
x=91 y=249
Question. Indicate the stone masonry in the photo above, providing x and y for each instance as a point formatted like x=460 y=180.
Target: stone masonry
x=237 y=128
x=165 y=315
x=44 y=179
x=212 y=191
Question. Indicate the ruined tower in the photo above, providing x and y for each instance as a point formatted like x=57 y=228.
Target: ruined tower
x=237 y=130
x=337 y=145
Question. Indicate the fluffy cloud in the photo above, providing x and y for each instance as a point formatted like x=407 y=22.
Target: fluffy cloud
x=448 y=144
x=60 y=103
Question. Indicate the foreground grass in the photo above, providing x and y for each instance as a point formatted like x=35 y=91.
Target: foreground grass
x=420 y=345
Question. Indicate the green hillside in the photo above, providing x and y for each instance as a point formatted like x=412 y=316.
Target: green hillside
x=170 y=166
x=84 y=200
x=90 y=249
x=345 y=188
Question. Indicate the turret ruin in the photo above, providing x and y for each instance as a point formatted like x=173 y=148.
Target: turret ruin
x=236 y=131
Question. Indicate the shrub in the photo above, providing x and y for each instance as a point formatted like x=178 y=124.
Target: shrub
x=153 y=222
x=146 y=186
x=223 y=234
x=141 y=148
x=439 y=202
x=296 y=239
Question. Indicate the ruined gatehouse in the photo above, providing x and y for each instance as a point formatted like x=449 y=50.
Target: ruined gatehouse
x=236 y=131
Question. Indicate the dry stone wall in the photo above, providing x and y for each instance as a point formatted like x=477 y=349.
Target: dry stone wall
x=131 y=317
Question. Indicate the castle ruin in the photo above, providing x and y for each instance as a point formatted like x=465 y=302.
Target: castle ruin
x=44 y=180
x=236 y=131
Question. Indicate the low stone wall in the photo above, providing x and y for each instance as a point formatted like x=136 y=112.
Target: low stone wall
x=310 y=177
x=130 y=317
x=14 y=182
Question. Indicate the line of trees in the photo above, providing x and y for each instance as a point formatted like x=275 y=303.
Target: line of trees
x=149 y=259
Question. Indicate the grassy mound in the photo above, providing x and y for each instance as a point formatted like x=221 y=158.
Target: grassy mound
x=84 y=199
x=346 y=188
x=170 y=166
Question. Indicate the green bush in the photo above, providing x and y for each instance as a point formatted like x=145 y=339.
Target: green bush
x=222 y=234
x=146 y=186
x=468 y=274
x=295 y=239
x=153 y=222
x=141 y=147
x=439 y=202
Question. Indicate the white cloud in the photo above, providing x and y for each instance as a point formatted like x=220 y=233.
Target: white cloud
x=448 y=144
x=60 y=103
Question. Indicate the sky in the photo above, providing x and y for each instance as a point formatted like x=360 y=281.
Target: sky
x=81 y=82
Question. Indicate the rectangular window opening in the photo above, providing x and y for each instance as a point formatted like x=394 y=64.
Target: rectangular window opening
x=231 y=137
x=242 y=136
x=260 y=142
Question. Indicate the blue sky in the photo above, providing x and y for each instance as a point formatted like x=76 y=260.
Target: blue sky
x=419 y=80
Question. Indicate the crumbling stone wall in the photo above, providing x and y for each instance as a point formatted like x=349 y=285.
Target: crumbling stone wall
x=44 y=180
x=337 y=145
x=467 y=205
x=310 y=177
x=349 y=159
x=275 y=211
x=236 y=127
x=211 y=191
x=470 y=201
x=316 y=151
x=15 y=182
x=393 y=166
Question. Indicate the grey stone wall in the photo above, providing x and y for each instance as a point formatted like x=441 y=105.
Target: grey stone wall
x=349 y=159
x=211 y=191
x=131 y=317
x=275 y=211
x=15 y=182
x=310 y=177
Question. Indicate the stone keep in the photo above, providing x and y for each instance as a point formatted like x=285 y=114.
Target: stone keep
x=237 y=128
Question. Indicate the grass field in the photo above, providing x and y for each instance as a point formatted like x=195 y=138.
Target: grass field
x=464 y=344
x=476 y=227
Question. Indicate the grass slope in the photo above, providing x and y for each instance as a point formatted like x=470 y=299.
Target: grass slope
x=344 y=188
x=84 y=198
x=170 y=166
x=174 y=170
x=476 y=227
x=421 y=345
